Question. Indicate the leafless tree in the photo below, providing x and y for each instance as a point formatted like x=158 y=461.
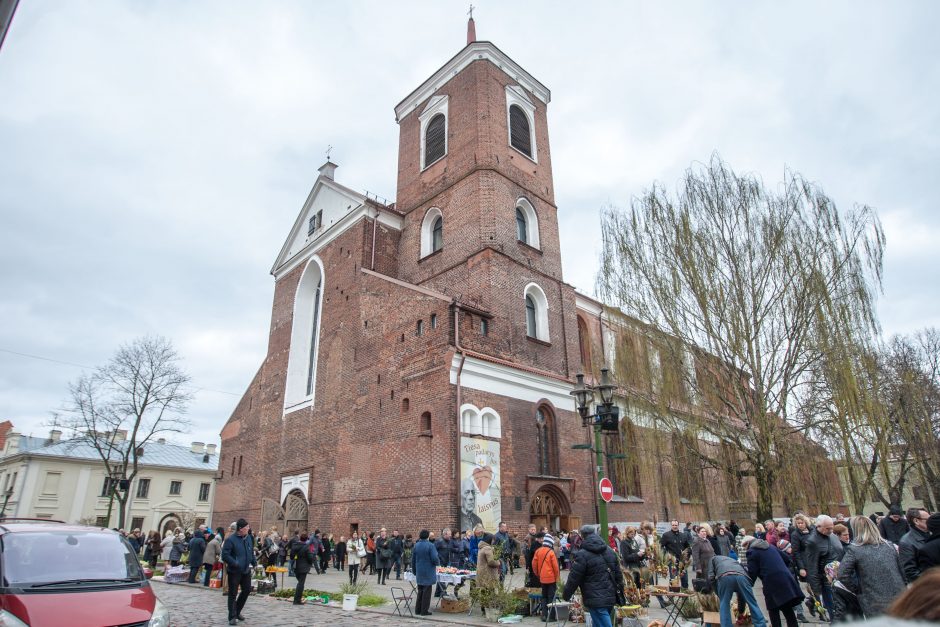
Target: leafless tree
x=748 y=281
x=139 y=395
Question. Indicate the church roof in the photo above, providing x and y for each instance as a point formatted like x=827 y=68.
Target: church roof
x=155 y=454
x=472 y=52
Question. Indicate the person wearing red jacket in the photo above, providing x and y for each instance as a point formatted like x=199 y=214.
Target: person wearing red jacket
x=545 y=566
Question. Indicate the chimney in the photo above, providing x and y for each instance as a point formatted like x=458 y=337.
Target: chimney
x=210 y=449
x=54 y=436
x=13 y=443
x=119 y=435
x=327 y=169
x=197 y=447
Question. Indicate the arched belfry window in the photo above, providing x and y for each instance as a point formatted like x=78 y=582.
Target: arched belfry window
x=536 y=313
x=545 y=438
x=433 y=122
x=432 y=232
x=520 y=134
x=305 y=335
x=435 y=139
x=527 y=223
x=520 y=121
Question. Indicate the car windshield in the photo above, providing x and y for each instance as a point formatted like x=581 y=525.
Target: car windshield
x=46 y=557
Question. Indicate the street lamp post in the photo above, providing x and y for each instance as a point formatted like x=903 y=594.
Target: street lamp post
x=605 y=419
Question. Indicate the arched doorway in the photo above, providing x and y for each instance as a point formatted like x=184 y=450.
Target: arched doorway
x=550 y=508
x=168 y=523
x=295 y=512
x=271 y=516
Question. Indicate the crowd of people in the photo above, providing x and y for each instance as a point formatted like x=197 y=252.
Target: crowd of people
x=840 y=569
x=852 y=569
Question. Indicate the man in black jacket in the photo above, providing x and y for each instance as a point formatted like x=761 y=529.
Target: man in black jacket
x=398 y=550
x=820 y=548
x=675 y=542
x=911 y=542
x=893 y=526
x=302 y=556
x=596 y=570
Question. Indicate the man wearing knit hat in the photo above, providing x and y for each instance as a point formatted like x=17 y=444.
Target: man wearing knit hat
x=239 y=560
x=893 y=526
x=545 y=566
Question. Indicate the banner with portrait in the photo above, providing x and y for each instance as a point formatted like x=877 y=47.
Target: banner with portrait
x=480 y=501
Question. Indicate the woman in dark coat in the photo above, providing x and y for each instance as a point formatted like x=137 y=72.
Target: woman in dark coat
x=383 y=556
x=424 y=560
x=303 y=561
x=781 y=591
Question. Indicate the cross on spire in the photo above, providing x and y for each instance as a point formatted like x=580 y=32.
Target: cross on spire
x=329 y=149
x=471 y=27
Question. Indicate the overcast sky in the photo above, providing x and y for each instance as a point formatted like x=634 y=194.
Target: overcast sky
x=154 y=155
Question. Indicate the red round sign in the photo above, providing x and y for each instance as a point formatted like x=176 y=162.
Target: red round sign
x=607 y=489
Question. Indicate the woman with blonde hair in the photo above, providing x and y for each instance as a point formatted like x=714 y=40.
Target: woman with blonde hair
x=759 y=531
x=871 y=568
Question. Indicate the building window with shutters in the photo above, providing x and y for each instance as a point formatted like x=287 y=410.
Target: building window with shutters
x=520 y=121
x=432 y=232
x=433 y=122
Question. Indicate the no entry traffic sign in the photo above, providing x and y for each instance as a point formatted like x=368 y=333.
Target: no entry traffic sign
x=607 y=489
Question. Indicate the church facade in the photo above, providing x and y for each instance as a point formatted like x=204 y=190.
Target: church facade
x=421 y=353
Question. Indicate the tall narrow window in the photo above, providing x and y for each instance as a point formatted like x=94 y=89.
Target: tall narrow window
x=305 y=337
x=531 y=323
x=521 y=231
x=312 y=363
x=435 y=139
x=519 y=131
x=544 y=424
x=536 y=313
x=437 y=235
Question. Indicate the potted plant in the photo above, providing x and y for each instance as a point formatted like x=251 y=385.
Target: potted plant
x=351 y=592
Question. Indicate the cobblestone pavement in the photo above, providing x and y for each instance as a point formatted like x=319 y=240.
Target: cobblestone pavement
x=199 y=606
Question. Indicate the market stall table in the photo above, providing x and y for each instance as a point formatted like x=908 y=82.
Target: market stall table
x=445 y=580
x=674 y=613
x=275 y=570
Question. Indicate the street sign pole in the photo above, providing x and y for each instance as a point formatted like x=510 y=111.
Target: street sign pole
x=599 y=456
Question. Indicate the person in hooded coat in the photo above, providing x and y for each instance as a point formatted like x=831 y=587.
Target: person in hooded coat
x=893 y=526
x=781 y=590
x=596 y=570
x=197 y=547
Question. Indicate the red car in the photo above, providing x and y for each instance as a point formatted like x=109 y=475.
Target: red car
x=53 y=574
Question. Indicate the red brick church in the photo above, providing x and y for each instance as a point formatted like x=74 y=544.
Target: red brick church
x=421 y=353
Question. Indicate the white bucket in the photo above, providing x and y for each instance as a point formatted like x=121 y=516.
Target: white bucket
x=350 y=601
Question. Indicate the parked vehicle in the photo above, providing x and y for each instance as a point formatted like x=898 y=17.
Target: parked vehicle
x=56 y=574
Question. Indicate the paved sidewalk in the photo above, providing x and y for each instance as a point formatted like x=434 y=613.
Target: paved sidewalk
x=192 y=605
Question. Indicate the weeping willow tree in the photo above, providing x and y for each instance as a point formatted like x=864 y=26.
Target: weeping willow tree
x=746 y=280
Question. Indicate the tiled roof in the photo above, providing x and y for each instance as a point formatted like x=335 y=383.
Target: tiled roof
x=155 y=454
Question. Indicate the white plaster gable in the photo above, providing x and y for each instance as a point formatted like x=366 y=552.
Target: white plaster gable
x=521 y=94
x=342 y=208
x=334 y=200
x=294 y=482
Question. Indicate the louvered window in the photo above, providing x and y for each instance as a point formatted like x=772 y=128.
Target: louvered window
x=435 y=139
x=519 y=134
x=521 y=234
